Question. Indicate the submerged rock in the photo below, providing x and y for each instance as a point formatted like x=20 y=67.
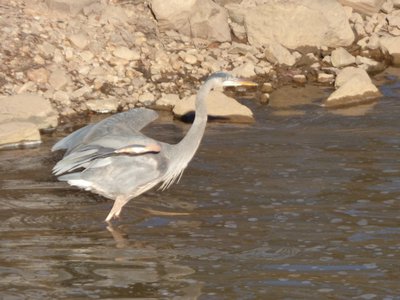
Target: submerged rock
x=219 y=106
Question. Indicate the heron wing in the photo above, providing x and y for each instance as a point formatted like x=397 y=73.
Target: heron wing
x=119 y=175
x=123 y=124
x=115 y=145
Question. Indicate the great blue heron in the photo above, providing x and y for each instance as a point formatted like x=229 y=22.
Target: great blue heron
x=114 y=159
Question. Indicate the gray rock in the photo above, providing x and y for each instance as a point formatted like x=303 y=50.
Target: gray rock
x=28 y=108
x=218 y=105
x=18 y=133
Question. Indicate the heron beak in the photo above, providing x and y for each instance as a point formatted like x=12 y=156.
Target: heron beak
x=239 y=82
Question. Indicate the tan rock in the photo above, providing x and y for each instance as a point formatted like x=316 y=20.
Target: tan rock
x=348 y=73
x=391 y=45
x=325 y=78
x=341 y=58
x=218 y=105
x=28 y=108
x=246 y=70
x=72 y=7
x=147 y=98
x=79 y=40
x=277 y=54
x=126 y=53
x=81 y=92
x=62 y=98
x=210 y=21
x=58 y=79
x=17 y=133
x=103 y=106
x=40 y=75
x=313 y=23
x=168 y=100
x=353 y=87
x=300 y=78
x=203 y=19
x=367 y=7
x=190 y=59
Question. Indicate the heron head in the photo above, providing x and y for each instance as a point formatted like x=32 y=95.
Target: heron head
x=224 y=79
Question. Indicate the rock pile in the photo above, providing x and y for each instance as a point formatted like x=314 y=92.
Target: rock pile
x=106 y=56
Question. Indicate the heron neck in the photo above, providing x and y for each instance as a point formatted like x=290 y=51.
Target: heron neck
x=190 y=143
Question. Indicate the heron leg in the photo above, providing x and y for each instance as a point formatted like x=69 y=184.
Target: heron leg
x=117 y=207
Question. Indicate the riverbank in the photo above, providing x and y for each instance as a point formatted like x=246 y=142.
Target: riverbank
x=109 y=56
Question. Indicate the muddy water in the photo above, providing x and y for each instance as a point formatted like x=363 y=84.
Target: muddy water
x=302 y=204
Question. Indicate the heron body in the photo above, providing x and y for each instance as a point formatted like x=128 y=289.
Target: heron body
x=114 y=159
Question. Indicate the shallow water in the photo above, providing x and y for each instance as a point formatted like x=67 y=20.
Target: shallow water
x=302 y=204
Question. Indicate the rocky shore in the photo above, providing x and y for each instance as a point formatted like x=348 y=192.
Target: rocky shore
x=60 y=58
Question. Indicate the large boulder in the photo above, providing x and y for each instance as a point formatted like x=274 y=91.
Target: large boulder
x=195 y=18
x=18 y=133
x=28 y=108
x=219 y=106
x=365 y=7
x=391 y=45
x=353 y=86
x=21 y=118
x=72 y=7
x=310 y=23
x=277 y=54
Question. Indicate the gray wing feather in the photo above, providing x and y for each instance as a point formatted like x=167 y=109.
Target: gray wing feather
x=99 y=140
x=127 y=123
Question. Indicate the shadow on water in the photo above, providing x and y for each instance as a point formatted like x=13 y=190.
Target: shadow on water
x=302 y=204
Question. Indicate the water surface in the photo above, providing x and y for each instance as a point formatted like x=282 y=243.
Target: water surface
x=302 y=204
